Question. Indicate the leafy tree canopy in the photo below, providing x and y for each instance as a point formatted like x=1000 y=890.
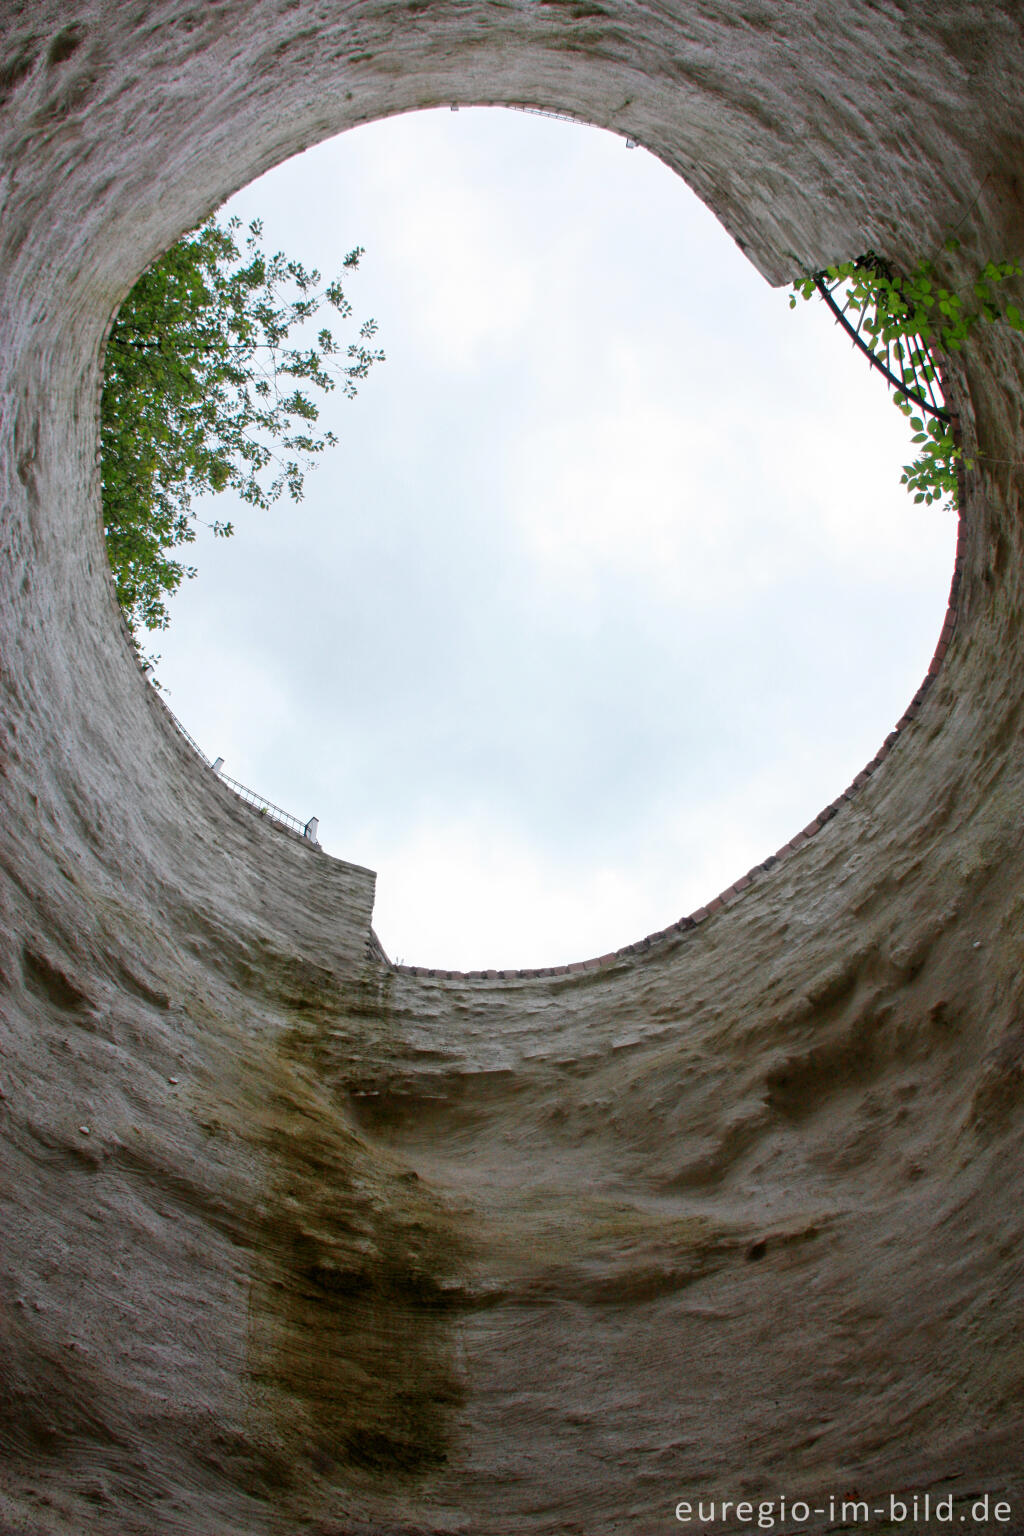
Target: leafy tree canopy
x=206 y=388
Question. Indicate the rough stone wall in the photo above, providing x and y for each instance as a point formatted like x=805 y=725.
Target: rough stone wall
x=293 y=1242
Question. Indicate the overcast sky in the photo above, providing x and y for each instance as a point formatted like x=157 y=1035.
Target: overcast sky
x=610 y=585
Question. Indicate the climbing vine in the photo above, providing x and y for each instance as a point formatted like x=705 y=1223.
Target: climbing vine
x=907 y=322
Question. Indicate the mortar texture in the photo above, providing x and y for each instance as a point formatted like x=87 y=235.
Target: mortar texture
x=296 y=1242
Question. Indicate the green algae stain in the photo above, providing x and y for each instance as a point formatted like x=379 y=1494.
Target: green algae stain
x=355 y=1281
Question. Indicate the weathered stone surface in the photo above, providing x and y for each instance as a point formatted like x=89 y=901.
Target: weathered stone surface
x=293 y=1242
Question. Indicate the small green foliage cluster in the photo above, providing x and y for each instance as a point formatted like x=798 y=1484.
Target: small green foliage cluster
x=908 y=321
x=202 y=387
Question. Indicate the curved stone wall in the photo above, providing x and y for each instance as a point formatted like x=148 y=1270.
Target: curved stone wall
x=294 y=1241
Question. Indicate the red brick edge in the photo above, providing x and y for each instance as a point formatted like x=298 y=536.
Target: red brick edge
x=732 y=893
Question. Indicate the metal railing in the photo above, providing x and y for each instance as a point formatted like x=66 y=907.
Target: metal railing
x=561 y=117
x=887 y=357
x=196 y=748
x=265 y=807
x=259 y=803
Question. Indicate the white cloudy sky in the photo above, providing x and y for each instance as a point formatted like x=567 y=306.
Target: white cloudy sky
x=611 y=583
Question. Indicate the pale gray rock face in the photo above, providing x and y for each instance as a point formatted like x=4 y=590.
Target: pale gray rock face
x=295 y=1241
